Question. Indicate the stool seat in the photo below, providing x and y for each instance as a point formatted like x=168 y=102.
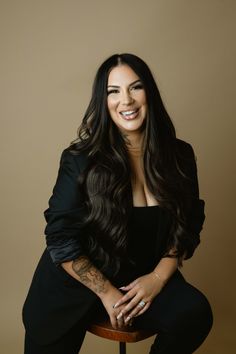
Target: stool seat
x=126 y=334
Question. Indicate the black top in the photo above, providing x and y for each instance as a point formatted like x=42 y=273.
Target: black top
x=142 y=242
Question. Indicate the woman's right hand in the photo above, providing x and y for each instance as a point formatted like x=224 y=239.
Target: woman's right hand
x=108 y=299
x=85 y=272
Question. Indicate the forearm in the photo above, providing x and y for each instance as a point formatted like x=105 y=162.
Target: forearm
x=85 y=272
x=165 y=269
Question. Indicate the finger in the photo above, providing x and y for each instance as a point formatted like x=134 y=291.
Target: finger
x=131 y=305
x=124 y=299
x=113 y=322
x=122 y=288
x=129 y=286
x=138 y=310
x=120 y=321
x=128 y=322
x=144 y=309
x=132 y=314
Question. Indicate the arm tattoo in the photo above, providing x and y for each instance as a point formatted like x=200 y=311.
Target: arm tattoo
x=89 y=275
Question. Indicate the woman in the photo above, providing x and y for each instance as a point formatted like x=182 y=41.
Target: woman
x=124 y=214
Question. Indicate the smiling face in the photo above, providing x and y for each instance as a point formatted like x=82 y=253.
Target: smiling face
x=126 y=99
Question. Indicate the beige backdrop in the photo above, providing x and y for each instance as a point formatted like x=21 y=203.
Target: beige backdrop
x=50 y=52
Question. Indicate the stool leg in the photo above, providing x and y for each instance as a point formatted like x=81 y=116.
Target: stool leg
x=122 y=348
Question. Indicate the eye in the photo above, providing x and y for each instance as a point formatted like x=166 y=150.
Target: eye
x=137 y=87
x=112 y=91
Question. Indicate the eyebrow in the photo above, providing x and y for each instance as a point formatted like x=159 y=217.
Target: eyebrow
x=132 y=83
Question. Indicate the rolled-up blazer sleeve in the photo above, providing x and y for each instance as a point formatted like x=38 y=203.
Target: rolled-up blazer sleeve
x=64 y=214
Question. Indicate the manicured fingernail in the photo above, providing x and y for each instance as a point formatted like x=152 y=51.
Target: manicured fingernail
x=127 y=319
x=122 y=288
x=119 y=316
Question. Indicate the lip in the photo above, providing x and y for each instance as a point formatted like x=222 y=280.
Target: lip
x=130 y=117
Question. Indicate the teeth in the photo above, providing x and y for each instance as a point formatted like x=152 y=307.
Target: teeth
x=127 y=113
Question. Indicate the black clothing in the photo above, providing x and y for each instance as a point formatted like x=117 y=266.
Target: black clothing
x=144 y=238
x=180 y=314
x=67 y=207
x=58 y=307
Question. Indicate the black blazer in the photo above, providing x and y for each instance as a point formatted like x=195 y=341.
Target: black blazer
x=56 y=301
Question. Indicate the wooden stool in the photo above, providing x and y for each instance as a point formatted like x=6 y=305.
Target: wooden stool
x=123 y=335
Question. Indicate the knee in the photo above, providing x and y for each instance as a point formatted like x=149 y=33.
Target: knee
x=193 y=316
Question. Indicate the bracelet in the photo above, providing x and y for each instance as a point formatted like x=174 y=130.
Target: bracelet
x=158 y=276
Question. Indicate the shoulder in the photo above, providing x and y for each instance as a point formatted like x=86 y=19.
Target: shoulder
x=187 y=162
x=184 y=151
x=183 y=146
x=79 y=159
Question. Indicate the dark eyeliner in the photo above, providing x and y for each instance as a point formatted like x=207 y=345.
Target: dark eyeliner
x=138 y=86
x=111 y=91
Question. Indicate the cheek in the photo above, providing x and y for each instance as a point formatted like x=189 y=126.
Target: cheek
x=143 y=99
x=111 y=104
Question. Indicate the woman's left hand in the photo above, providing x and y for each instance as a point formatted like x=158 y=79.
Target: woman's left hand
x=140 y=294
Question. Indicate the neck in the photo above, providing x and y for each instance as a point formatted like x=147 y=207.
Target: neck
x=134 y=144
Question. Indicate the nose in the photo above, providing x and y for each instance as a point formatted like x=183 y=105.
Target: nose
x=126 y=98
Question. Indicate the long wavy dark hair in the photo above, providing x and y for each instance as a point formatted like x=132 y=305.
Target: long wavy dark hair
x=106 y=182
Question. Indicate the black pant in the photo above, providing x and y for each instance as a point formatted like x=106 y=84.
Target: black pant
x=180 y=314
